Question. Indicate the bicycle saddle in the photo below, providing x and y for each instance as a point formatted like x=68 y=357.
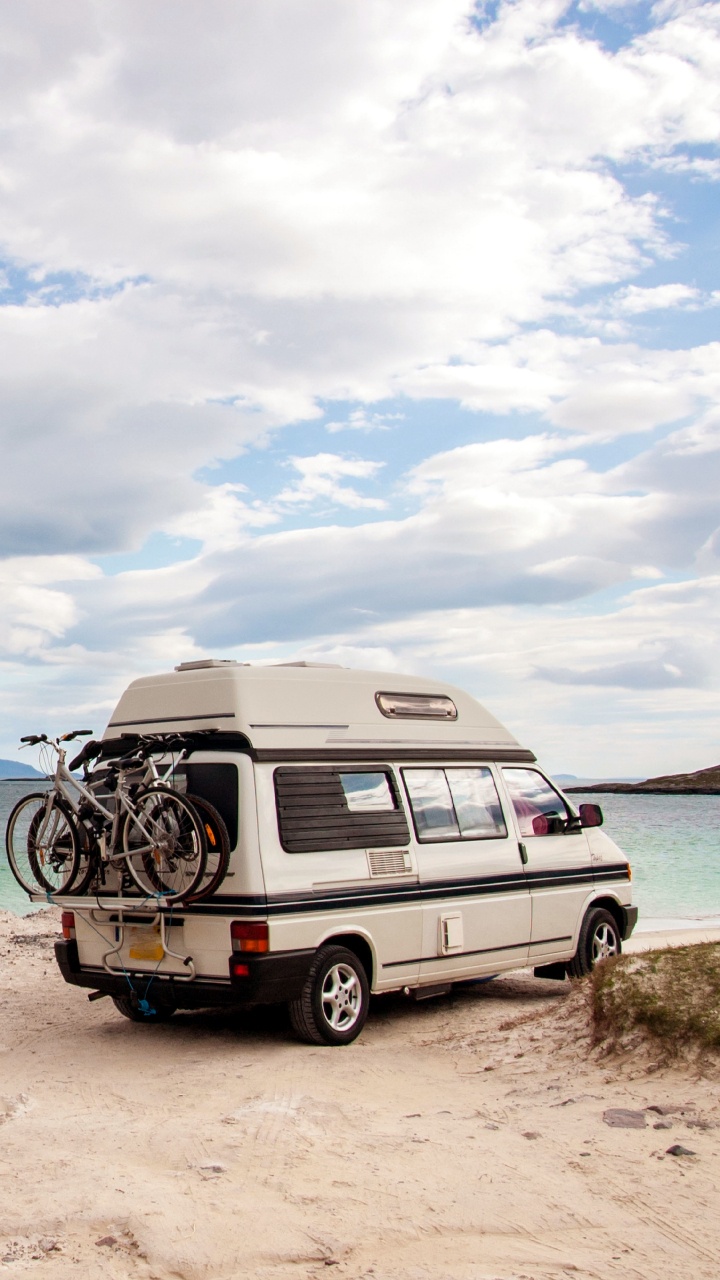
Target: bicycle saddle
x=90 y=751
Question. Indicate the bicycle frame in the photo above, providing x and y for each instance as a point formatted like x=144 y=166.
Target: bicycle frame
x=65 y=784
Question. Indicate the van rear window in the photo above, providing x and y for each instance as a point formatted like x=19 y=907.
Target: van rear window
x=321 y=809
x=218 y=784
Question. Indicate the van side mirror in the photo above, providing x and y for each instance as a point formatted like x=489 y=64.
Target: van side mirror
x=547 y=824
x=591 y=815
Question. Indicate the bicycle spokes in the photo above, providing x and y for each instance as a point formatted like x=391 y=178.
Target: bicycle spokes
x=164 y=844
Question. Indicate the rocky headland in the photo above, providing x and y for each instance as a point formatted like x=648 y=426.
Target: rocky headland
x=704 y=782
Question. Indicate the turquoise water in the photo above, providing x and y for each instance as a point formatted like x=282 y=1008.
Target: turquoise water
x=12 y=897
x=673 y=843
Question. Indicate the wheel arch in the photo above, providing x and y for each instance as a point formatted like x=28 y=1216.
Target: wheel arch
x=360 y=945
x=617 y=911
x=606 y=902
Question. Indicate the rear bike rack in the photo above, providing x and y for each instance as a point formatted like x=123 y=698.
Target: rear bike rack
x=158 y=919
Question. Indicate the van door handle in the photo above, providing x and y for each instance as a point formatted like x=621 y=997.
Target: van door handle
x=523 y=854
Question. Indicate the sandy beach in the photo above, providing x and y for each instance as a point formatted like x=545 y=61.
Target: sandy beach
x=462 y=1137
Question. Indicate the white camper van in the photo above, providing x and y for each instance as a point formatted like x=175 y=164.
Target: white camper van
x=386 y=833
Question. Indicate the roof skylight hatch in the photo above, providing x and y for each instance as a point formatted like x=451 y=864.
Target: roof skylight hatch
x=202 y=664
x=416 y=706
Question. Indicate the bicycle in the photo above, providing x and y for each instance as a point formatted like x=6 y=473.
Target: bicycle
x=146 y=748
x=60 y=840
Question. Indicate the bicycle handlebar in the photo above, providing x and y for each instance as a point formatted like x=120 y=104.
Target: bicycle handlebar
x=32 y=739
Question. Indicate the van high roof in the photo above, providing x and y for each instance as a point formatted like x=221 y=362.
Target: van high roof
x=300 y=710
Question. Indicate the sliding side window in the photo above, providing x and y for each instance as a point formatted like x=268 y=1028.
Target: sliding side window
x=455 y=804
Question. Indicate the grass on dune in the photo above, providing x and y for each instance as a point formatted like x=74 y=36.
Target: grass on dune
x=673 y=994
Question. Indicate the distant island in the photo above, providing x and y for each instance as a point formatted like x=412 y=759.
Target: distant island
x=14 y=769
x=705 y=782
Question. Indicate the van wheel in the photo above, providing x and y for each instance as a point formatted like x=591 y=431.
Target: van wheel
x=599 y=940
x=129 y=1009
x=334 y=1002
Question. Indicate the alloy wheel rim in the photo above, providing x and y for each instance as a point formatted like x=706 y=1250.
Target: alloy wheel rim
x=341 y=998
x=604 y=943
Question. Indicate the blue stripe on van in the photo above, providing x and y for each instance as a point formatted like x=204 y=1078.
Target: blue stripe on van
x=374 y=895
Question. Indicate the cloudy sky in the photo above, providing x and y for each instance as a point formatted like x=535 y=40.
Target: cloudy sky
x=368 y=332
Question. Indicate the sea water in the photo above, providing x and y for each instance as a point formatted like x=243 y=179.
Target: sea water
x=673 y=843
x=12 y=897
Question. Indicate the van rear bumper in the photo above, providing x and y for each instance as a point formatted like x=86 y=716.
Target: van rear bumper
x=271 y=979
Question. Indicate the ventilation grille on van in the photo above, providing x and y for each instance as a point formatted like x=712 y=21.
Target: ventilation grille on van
x=389 y=862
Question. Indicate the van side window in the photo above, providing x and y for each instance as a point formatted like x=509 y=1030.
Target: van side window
x=320 y=809
x=477 y=804
x=455 y=804
x=532 y=796
x=367 y=792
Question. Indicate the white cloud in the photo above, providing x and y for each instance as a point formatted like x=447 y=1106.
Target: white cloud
x=261 y=208
x=633 y=300
x=351 y=223
x=510 y=523
x=34 y=611
x=598 y=389
x=320 y=480
x=223 y=517
x=365 y=420
x=699 y=167
x=405 y=155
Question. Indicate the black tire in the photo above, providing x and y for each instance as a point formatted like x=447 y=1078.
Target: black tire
x=43 y=847
x=88 y=863
x=175 y=864
x=17 y=832
x=129 y=1008
x=217 y=841
x=599 y=940
x=333 y=1005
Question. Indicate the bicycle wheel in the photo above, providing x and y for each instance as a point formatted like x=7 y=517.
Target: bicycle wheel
x=42 y=843
x=16 y=839
x=164 y=844
x=218 y=847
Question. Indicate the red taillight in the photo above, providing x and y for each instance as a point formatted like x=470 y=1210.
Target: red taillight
x=238 y=969
x=249 y=936
x=68 y=924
